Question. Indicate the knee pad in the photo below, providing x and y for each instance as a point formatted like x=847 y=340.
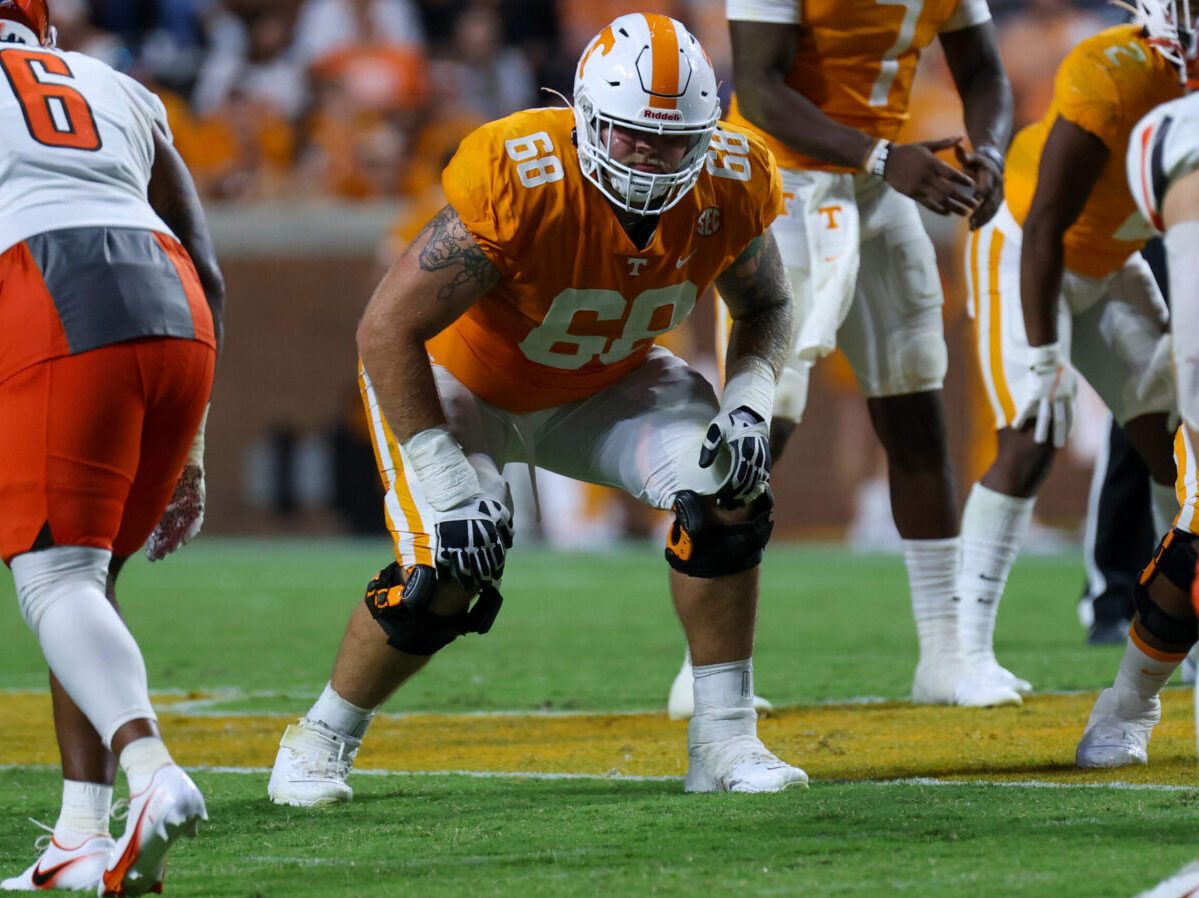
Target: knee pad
x=45 y=576
x=1175 y=559
x=402 y=610
x=701 y=547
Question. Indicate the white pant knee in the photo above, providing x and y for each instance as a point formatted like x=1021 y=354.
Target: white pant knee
x=84 y=640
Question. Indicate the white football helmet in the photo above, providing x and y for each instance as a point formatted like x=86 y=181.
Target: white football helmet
x=645 y=73
x=1169 y=27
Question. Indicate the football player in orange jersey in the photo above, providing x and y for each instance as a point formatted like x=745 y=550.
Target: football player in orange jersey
x=1162 y=170
x=827 y=84
x=1056 y=277
x=519 y=326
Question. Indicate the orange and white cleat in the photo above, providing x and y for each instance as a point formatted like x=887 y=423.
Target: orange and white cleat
x=168 y=807
x=62 y=866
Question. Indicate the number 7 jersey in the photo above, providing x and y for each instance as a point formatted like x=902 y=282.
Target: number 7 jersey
x=579 y=305
x=76 y=144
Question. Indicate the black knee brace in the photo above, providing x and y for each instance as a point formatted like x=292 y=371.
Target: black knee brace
x=402 y=610
x=1175 y=560
x=700 y=547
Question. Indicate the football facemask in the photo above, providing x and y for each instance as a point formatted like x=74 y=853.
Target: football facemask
x=644 y=73
x=1169 y=29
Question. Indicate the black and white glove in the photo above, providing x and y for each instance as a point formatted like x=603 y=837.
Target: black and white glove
x=746 y=434
x=1051 y=402
x=472 y=540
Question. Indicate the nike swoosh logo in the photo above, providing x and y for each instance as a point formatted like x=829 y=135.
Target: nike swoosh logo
x=43 y=878
x=687 y=258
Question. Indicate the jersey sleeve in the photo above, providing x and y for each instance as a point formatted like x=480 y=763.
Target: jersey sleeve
x=1087 y=95
x=784 y=12
x=477 y=189
x=761 y=200
x=968 y=14
x=1164 y=147
x=148 y=105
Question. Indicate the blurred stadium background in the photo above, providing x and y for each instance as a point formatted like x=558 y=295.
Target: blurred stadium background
x=316 y=130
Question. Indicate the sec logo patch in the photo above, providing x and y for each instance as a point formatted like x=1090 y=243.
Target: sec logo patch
x=708 y=222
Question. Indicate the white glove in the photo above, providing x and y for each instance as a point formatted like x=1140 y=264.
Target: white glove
x=473 y=540
x=1052 y=399
x=747 y=436
x=183 y=517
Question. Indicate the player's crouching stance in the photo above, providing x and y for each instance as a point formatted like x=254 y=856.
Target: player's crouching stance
x=110 y=301
x=1163 y=175
x=537 y=293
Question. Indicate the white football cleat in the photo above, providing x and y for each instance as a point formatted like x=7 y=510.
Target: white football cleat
x=312 y=765
x=63 y=867
x=167 y=808
x=738 y=764
x=1000 y=674
x=1183 y=884
x=680 y=705
x=940 y=683
x=1118 y=732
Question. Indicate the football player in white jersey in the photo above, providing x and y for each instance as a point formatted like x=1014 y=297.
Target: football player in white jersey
x=1163 y=176
x=110 y=308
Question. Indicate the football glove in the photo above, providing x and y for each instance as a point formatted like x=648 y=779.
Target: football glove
x=183 y=516
x=1051 y=402
x=746 y=435
x=472 y=541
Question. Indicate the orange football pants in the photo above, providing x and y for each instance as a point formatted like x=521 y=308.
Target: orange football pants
x=92 y=445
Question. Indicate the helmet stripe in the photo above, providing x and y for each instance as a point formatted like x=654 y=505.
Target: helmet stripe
x=664 y=41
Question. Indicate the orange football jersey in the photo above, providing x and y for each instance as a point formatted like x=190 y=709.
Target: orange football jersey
x=579 y=305
x=1104 y=86
x=856 y=60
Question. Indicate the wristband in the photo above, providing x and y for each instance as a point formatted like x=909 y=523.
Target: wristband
x=752 y=386
x=992 y=153
x=439 y=465
x=195 y=455
x=876 y=160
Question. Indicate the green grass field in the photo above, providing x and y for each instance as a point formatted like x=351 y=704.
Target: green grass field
x=256 y=624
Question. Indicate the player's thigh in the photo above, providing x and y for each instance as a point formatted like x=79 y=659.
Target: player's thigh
x=1188 y=481
x=178 y=382
x=993 y=301
x=70 y=431
x=893 y=334
x=818 y=235
x=642 y=435
x=1121 y=343
x=485 y=434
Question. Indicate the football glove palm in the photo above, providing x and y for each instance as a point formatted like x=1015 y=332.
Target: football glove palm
x=746 y=435
x=472 y=541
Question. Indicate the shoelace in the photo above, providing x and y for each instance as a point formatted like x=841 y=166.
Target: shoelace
x=42 y=843
x=119 y=809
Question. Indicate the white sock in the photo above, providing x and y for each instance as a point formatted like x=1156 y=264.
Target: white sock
x=724 y=700
x=994 y=527
x=85 y=808
x=933 y=567
x=1144 y=671
x=1165 y=506
x=342 y=717
x=84 y=640
x=141 y=759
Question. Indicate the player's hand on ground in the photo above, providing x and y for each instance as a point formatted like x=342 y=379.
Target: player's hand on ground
x=988 y=184
x=914 y=170
x=472 y=541
x=747 y=436
x=184 y=515
x=1051 y=402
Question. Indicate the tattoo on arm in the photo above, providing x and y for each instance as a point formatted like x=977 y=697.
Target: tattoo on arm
x=758 y=294
x=448 y=246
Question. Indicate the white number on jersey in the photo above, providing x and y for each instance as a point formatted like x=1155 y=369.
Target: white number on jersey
x=728 y=156
x=551 y=343
x=903 y=40
x=536 y=163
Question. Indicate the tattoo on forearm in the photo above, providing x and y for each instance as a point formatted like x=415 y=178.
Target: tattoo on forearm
x=448 y=245
x=758 y=295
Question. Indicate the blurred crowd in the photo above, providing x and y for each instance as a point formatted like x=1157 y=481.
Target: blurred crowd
x=365 y=99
